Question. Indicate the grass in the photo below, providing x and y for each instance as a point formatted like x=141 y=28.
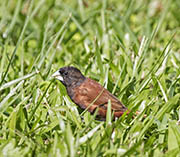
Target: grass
x=130 y=47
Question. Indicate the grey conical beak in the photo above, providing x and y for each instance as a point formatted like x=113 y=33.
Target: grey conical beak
x=58 y=76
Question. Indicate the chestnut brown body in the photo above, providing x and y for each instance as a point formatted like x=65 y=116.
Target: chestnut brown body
x=89 y=94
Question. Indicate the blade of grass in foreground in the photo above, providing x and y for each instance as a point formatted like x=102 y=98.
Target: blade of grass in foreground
x=28 y=17
x=173 y=136
x=13 y=91
x=89 y=134
x=156 y=66
x=13 y=21
x=35 y=108
x=69 y=139
x=166 y=108
x=63 y=28
x=18 y=80
x=99 y=59
x=108 y=114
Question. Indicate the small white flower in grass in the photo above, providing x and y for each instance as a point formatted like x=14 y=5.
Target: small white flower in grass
x=4 y=35
x=178 y=122
x=59 y=47
x=57 y=105
x=142 y=106
x=121 y=151
x=110 y=31
x=127 y=38
x=135 y=134
x=113 y=135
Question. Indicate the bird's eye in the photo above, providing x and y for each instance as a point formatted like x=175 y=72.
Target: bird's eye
x=66 y=73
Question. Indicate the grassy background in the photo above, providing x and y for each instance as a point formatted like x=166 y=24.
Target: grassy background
x=131 y=47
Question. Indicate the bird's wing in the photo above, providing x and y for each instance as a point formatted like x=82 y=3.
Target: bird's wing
x=92 y=95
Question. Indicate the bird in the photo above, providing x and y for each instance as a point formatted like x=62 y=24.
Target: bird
x=88 y=94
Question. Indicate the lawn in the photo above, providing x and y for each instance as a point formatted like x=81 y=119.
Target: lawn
x=131 y=47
